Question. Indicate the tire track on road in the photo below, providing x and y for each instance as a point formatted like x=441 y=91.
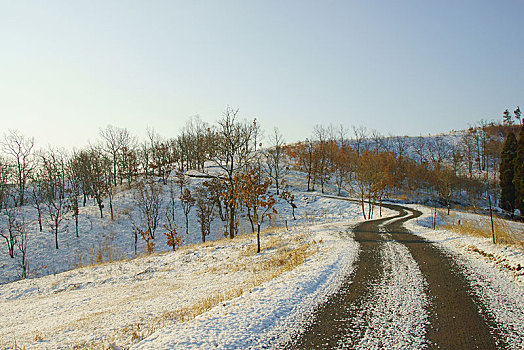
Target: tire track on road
x=455 y=318
x=340 y=319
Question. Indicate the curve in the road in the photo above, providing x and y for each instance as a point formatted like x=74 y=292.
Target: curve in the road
x=456 y=317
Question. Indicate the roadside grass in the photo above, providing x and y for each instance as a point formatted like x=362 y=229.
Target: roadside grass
x=504 y=233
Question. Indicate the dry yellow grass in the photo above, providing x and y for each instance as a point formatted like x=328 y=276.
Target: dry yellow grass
x=482 y=228
x=104 y=253
x=281 y=258
x=281 y=254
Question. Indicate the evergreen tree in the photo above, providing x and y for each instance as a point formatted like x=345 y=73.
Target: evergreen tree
x=507 y=118
x=518 y=179
x=518 y=114
x=507 y=171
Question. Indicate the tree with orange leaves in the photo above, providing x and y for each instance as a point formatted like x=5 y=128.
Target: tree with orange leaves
x=343 y=164
x=304 y=157
x=253 y=193
x=173 y=238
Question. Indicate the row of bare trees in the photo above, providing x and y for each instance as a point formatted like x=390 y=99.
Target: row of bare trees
x=57 y=183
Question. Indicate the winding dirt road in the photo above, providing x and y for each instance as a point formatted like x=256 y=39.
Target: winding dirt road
x=443 y=312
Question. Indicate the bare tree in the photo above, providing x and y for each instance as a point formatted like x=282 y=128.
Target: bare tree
x=170 y=210
x=37 y=194
x=360 y=135
x=129 y=161
x=22 y=246
x=5 y=178
x=195 y=143
x=234 y=147
x=98 y=169
x=11 y=232
x=420 y=148
x=308 y=161
x=145 y=158
x=400 y=145
x=456 y=158
x=275 y=159
x=322 y=136
x=439 y=151
x=188 y=202
x=217 y=188
x=56 y=190
x=20 y=149
x=468 y=151
x=75 y=185
x=148 y=199
x=181 y=180
x=80 y=167
x=116 y=140
x=160 y=159
x=379 y=142
x=205 y=205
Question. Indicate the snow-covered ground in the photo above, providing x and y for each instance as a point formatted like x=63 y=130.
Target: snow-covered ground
x=269 y=314
x=120 y=303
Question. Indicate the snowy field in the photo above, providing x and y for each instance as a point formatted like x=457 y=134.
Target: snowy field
x=120 y=303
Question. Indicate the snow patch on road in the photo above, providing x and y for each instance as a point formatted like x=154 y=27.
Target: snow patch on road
x=396 y=316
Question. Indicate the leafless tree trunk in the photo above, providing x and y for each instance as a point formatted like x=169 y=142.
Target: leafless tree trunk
x=22 y=247
x=20 y=149
x=274 y=159
x=401 y=144
x=188 y=202
x=12 y=232
x=234 y=146
x=468 y=149
x=321 y=138
x=148 y=198
x=205 y=205
x=116 y=140
x=5 y=178
x=439 y=151
x=56 y=190
x=37 y=195
x=360 y=135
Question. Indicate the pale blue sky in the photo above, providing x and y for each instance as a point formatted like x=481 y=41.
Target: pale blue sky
x=401 y=67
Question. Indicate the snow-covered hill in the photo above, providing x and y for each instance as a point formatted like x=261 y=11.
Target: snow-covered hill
x=120 y=303
x=103 y=239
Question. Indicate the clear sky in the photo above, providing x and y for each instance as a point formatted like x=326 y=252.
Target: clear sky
x=68 y=68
